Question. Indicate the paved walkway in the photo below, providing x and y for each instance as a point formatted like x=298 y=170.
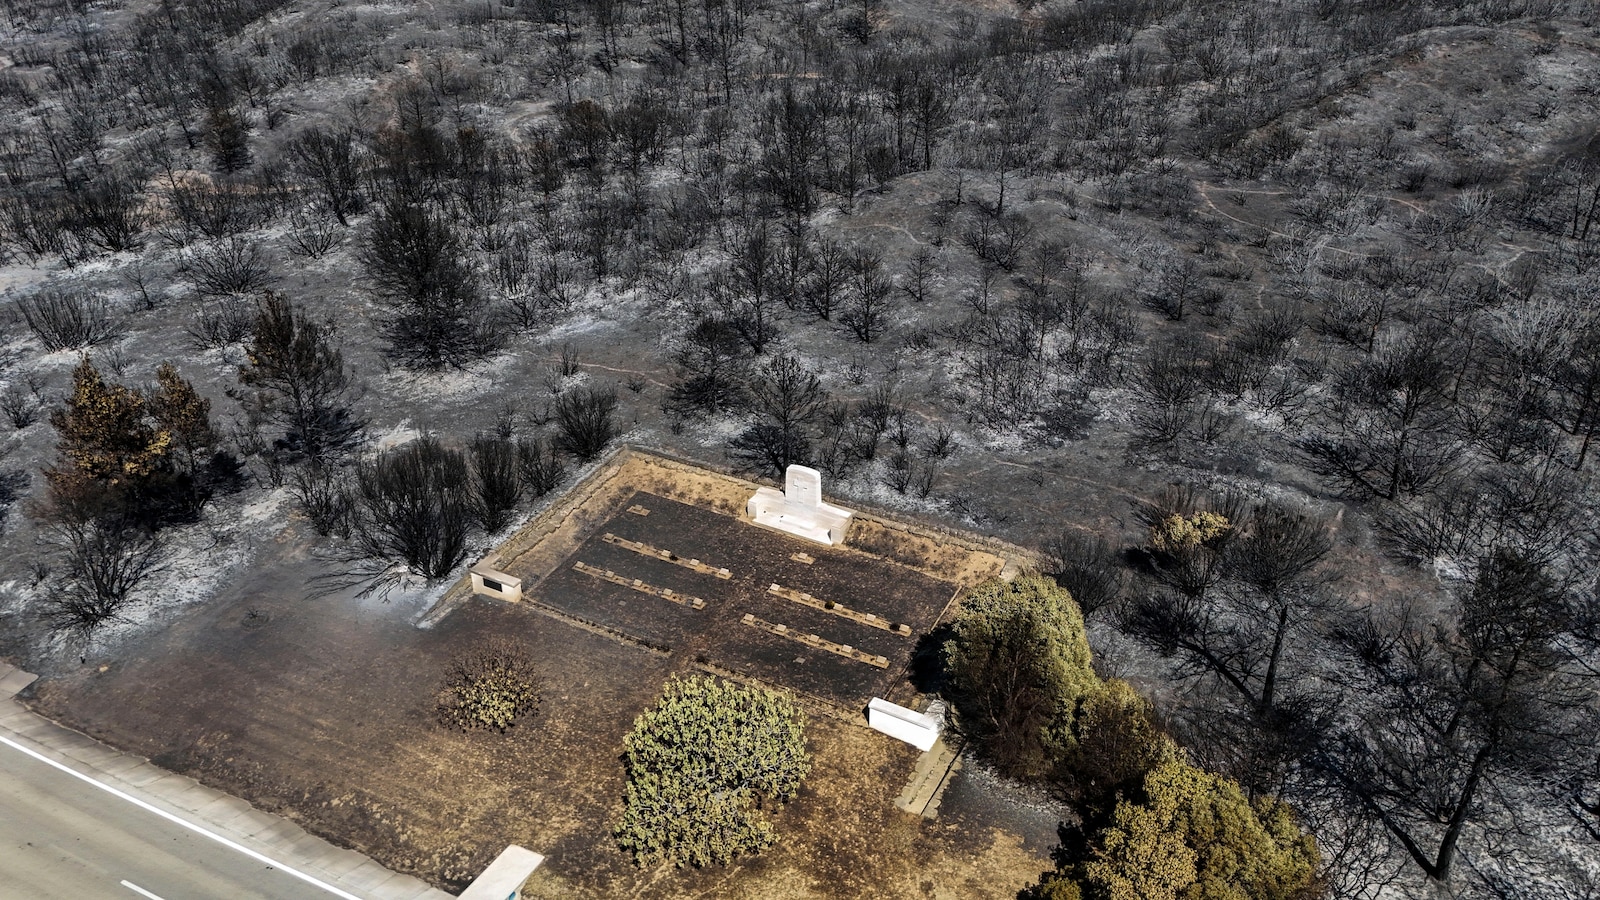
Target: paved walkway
x=222 y=815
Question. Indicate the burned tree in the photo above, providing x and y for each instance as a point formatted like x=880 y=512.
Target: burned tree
x=413 y=509
x=788 y=398
x=1460 y=713
x=437 y=314
x=300 y=384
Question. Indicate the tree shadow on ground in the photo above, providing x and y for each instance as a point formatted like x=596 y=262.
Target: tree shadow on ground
x=928 y=674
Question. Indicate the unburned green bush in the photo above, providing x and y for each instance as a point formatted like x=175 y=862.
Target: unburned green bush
x=703 y=765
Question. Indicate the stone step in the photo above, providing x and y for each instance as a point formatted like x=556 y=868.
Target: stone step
x=928 y=780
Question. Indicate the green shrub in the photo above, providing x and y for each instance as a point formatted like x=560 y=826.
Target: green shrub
x=1117 y=742
x=703 y=765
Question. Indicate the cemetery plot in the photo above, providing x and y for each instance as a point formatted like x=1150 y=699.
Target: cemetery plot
x=668 y=556
x=811 y=640
x=637 y=585
x=845 y=615
x=868 y=619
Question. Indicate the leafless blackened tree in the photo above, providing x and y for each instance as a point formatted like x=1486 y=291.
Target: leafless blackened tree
x=827 y=277
x=311 y=238
x=22 y=402
x=586 y=423
x=106 y=213
x=1537 y=510
x=1461 y=713
x=916 y=454
x=1173 y=394
x=1179 y=288
x=301 y=384
x=1575 y=407
x=437 y=313
x=328 y=159
x=712 y=370
x=789 y=399
x=221 y=323
x=105 y=558
x=539 y=465
x=920 y=271
x=215 y=210
x=496 y=480
x=413 y=509
x=227 y=136
x=1089 y=568
x=325 y=497
x=413 y=158
x=792 y=127
x=999 y=241
x=1383 y=429
x=868 y=302
x=747 y=295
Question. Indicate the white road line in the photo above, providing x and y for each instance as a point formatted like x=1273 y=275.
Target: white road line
x=309 y=879
x=138 y=890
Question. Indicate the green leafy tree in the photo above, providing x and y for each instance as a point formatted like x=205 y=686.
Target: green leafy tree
x=702 y=768
x=106 y=434
x=196 y=463
x=1019 y=666
x=1187 y=834
x=181 y=412
x=1116 y=742
x=146 y=455
x=1194 y=835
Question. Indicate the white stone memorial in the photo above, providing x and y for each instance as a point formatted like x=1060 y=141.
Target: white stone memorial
x=920 y=730
x=491 y=582
x=799 y=509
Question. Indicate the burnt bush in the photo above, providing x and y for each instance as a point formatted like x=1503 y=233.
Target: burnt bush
x=540 y=466
x=496 y=480
x=69 y=319
x=221 y=323
x=585 y=420
x=324 y=497
x=414 y=507
x=234 y=266
x=105 y=558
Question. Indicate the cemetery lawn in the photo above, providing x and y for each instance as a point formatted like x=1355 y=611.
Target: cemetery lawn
x=322 y=710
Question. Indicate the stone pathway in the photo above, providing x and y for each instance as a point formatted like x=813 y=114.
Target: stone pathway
x=929 y=779
x=225 y=815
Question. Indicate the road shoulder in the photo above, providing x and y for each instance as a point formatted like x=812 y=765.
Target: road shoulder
x=214 y=812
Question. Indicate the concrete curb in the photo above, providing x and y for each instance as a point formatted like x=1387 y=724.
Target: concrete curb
x=227 y=816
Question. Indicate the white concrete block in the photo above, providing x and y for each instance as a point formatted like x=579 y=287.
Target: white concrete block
x=492 y=582
x=504 y=877
x=920 y=730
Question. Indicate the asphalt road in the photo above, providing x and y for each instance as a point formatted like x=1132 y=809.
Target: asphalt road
x=61 y=837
